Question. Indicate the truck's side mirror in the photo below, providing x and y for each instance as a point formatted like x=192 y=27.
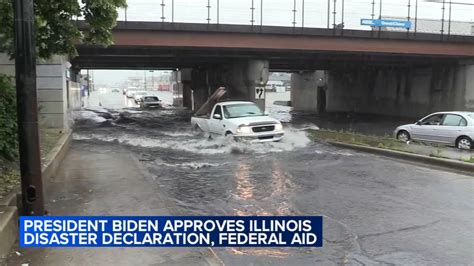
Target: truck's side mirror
x=217 y=116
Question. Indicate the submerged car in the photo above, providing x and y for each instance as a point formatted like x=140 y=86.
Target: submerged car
x=137 y=96
x=150 y=101
x=449 y=128
x=240 y=120
x=131 y=90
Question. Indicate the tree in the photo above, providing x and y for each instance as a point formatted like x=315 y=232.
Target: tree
x=8 y=124
x=56 y=29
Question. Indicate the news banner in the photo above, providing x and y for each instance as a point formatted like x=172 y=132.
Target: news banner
x=171 y=231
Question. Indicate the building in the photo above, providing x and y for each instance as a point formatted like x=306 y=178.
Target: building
x=58 y=94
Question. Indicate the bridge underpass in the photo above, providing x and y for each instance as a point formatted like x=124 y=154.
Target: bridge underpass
x=400 y=74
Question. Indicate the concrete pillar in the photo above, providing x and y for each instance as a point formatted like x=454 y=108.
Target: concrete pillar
x=306 y=87
x=200 y=86
x=176 y=88
x=464 y=81
x=239 y=77
x=187 y=89
x=244 y=76
x=469 y=95
x=405 y=91
x=181 y=85
x=258 y=72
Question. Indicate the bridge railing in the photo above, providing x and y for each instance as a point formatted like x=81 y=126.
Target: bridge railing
x=445 y=17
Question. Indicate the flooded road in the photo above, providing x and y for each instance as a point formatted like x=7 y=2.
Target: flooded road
x=376 y=211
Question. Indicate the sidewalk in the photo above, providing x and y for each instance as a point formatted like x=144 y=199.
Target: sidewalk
x=440 y=152
x=96 y=179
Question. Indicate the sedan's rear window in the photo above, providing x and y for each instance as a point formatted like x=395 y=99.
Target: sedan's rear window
x=454 y=120
x=151 y=99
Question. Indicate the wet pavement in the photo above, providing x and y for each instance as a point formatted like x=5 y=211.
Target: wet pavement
x=376 y=211
x=96 y=179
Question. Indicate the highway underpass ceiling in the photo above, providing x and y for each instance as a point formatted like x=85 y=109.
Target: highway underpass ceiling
x=116 y=57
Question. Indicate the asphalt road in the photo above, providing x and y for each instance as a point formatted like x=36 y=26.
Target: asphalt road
x=376 y=211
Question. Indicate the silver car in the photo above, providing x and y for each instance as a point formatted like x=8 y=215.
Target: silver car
x=150 y=101
x=450 y=128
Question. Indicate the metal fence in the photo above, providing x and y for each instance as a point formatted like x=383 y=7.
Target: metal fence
x=438 y=16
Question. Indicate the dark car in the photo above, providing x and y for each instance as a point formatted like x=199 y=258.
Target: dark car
x=150 y=101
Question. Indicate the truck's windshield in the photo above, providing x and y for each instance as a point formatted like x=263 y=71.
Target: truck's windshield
x=242 y=110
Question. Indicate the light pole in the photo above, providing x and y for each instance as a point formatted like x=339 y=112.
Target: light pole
x=144 y=78
x=27 y=107
x=152 y=80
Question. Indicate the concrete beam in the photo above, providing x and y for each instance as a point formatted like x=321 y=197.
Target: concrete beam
x=287 y=43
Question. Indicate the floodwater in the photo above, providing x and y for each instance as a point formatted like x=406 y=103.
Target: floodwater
x=376 y=211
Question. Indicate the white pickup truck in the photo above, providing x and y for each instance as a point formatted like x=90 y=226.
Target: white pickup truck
x=241 y=120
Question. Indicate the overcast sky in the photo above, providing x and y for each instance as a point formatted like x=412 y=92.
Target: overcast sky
x=278 y=13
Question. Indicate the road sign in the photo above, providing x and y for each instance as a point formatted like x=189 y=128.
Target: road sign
x=259 y=93
x=386 y=23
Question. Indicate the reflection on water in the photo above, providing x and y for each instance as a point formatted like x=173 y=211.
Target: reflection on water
x=270 y=252
x=244 y=188
x=280 y=185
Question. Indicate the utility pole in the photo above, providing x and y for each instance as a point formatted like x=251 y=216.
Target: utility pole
x=162 y=11
x=152 y=80
x=28 y=136
x=144 y=78
x=329 y=14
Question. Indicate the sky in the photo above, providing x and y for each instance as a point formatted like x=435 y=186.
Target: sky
x=277 y=13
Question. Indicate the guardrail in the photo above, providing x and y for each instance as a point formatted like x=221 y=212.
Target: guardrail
x=331 y=14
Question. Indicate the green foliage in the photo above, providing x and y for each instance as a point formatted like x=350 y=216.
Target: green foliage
x=6 y=25
x=8 y=180
x=8 y=122
x=56 y=27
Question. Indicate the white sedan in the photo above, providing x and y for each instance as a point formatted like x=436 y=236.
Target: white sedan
x=138 y=95
x=450 y=128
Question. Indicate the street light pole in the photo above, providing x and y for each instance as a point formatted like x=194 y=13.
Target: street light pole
x=144 y=78
x=28 y=136
x=152 y=80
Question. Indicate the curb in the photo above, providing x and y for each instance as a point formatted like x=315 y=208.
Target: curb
x=55 y=157
x=457 y=166
x=10 y=205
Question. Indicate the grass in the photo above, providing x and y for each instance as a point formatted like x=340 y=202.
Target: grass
x=470 y=160
x=9 y=171
x=48 y=139
x=386 y=142
x=359 y=139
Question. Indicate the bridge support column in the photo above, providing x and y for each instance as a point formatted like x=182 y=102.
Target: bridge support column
x=181 y=84
x=244 y=77
x=200 y=87
x=465 y=81
x=406 y=91
x=308 y=91
x=186 y=80
x=239 y=77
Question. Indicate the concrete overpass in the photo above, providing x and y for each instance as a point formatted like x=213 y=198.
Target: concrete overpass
x=395 y=73
x=172 y=45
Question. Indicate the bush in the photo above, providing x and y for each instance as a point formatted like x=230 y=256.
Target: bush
x=8 y=122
